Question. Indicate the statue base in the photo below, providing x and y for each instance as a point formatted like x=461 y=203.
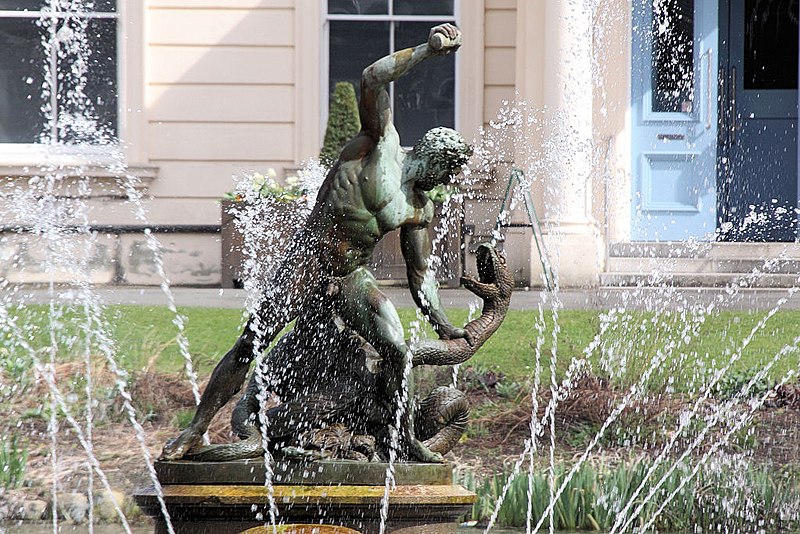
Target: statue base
x=230 y=497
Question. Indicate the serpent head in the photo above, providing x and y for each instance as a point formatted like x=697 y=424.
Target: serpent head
x=494 y=280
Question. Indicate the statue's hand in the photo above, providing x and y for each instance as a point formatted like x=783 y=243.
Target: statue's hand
x=444 y=38
x=448 y=331
x=176 y=448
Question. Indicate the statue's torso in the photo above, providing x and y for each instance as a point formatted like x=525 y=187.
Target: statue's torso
x=364 y=200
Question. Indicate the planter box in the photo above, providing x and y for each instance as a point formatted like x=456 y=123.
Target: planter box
x=284 y=220
x=277 y=222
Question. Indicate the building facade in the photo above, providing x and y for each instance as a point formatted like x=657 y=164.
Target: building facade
x=652 y=134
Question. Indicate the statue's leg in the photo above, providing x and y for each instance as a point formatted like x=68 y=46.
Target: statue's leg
x=245 y=412
x=282 y=299
x=369 y=312
x=226 y=380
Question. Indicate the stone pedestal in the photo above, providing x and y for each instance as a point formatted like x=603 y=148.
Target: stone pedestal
x=230 y=497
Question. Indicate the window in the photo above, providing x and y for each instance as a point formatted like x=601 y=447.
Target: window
x=362 y=31
x=673 y=56
x=58 y=73
x=770 y=44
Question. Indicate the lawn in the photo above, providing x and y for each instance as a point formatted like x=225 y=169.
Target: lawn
x=622 y=345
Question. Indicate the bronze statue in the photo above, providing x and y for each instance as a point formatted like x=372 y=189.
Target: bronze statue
x=375 y=187
x=328 y=385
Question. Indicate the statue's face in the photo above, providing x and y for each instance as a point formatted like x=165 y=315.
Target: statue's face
x=437 y=172
x=442 y=152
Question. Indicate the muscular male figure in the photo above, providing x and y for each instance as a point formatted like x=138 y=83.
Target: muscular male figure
x=375 y=187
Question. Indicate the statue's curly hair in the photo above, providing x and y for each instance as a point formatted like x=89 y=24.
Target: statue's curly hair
x=443 y=148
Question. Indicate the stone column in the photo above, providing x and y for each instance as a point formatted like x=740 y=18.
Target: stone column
x=572 y=235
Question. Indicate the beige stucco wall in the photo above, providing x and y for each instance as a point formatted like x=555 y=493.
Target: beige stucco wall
x=219 y=99
x=499 y=55
x=216 y=88
x=233 y=85
x=219 y=83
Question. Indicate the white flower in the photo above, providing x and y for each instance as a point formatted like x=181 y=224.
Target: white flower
x=258 y=181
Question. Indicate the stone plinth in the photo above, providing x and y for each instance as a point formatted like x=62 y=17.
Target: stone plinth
x=300 y=529
x=230 y=497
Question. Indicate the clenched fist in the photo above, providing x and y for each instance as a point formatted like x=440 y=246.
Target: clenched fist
x=444 y=38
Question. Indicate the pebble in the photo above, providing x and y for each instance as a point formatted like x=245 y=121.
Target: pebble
x=104 y=505
x=73 y=507
x=16 y=505
x=31 y=510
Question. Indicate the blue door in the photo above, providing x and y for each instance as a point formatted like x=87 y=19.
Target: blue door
x=674 y=119
x=758 y=192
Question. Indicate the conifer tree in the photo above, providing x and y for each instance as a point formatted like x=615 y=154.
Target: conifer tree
x=343 y=122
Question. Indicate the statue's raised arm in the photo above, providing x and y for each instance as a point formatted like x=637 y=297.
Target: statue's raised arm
x=375 y=107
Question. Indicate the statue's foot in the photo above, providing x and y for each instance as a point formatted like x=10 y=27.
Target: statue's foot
x=423 y=454
x=176 y=448
x=299 y=453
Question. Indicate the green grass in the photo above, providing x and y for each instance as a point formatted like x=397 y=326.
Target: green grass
x=141 y=332
x=13 y=458
x=145 y=337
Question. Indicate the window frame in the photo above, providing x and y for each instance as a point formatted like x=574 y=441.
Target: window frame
x=391 y=18
x=130 y=118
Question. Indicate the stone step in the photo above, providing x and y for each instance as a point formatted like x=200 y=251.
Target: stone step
x=687 y=264
x=749 y=280
x=692 y=250
x=702 y=265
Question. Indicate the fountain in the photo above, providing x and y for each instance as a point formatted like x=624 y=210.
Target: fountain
x=339 y=386
x=329 y=431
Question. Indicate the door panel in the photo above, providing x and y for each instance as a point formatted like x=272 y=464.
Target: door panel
x=758 y=182
x=674 y=119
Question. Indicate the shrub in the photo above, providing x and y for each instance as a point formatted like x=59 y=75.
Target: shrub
x=343 y=122
x=735 y=381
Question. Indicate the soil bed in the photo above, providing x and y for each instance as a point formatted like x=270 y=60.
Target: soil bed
x=499 y=427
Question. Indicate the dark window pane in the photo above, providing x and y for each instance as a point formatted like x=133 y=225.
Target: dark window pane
x=354 y=46
x=425 y=97
x=22 y=5
x=770 y=50
x=428 y=7
x=91 y=116
x=358 y=7
x=102 y=88
x=104 y=6
x=37 y=5
x=22 y=65
x=673 y=56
